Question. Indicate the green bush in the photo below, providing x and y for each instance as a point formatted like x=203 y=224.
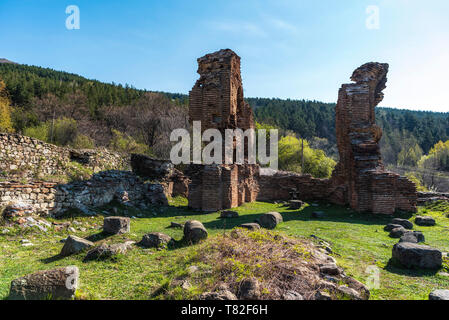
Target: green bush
x=39 y=132
x=83 y=142
x=121 y=142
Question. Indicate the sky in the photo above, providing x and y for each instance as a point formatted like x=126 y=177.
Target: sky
x=293 y=49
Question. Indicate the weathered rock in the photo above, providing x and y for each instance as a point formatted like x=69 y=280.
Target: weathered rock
x=106 y=251
x=403 y=222
x=219 y=295
x=392 y=226
x=439 y=295
x=176 y=225
x=270 y=220
x=250 y=226
x=156 y=240
x=330 y=269
x=349 y=292
x=295 y=204
x=249 y=289
x=358 y=286
x=412 y=237
x=425 y=221
x=116 y=225
x=292 y=295
x=229 y=214
x=74 y=244
x=398 y=232
x=57 y=284
x=194 y=231
x=412 y=255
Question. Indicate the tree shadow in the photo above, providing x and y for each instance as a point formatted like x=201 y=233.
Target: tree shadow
x=395 y=267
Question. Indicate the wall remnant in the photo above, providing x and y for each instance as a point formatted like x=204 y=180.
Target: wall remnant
x=360 y=178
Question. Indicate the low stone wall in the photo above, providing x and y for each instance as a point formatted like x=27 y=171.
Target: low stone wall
x=27 y=158
x=102 y=188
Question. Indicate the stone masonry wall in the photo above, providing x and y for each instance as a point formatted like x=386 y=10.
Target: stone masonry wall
x=24 y=157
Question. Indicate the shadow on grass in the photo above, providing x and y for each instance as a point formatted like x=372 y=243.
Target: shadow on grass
x=396 y=268
x=98 y=236
x=52 y=259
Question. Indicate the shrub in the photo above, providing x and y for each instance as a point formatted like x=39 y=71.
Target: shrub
x=83 y=142
x=121 y=142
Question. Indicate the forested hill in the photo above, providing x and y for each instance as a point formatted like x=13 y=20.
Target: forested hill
x=30 y=86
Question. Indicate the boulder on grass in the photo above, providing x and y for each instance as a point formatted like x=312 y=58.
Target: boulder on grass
x=270 y=220
x=106 y=251
x=392 y=226
x=250 y=226
x=194 y=231
x=74 y=244
x=403 y=222
x=116 y=225
x=250 y=289
x=56 y=284
x=412 y=255
x=229 y=214
x=398 y=232
x=156 y=240
x=425 y=221
x=412 y=236
x=439 y=295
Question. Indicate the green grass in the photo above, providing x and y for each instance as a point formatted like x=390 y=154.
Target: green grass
x=358 y=241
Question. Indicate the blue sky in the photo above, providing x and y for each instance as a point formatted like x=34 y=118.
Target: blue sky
x=289 y=49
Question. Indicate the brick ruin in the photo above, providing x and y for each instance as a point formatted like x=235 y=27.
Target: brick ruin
x=359 y=180
x=217 y=101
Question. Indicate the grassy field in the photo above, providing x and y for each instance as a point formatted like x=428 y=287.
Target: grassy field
x=357 y=240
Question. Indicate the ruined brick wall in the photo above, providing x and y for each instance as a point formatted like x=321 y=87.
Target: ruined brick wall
x=283 y=185
x=217 y=187
x=217 y=97
x=28 y=158
x=217 y=101
x=360 y=179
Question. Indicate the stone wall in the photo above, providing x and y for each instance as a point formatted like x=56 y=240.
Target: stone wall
x=27 y=158
x=51 y=198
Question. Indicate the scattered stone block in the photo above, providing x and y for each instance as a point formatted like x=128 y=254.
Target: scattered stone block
x=270 y=220
x=392 y=226
x=250 y=226
x=227 y=214
x=412 y=255
x=412 y=237
x=105 y=251
x=439 y=295
x=403 y=222
x=194 y=231
x=73 y=245
x=330 y=269
x=57 y=284
x=156 y=240
x=398 y=232
x=116 y=225
x=425 y=221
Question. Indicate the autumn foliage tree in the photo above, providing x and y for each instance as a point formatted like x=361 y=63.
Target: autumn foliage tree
x=5 y=110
